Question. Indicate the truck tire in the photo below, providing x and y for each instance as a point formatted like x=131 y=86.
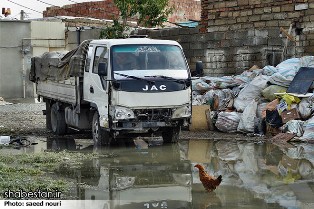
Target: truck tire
x=100 y=136
x=58 y=125
x=171 y=135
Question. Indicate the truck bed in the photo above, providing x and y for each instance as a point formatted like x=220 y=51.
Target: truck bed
x=65 y=91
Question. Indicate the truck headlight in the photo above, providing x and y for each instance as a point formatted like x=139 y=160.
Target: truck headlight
x=122 y=113
x=182 y=112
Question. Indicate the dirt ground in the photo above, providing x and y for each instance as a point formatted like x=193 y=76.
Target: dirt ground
x=25 y=117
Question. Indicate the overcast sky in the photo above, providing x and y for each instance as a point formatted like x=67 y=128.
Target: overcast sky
x=34 y=8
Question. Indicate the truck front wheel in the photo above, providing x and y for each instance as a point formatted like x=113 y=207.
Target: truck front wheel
x=100 y=136
x=58 y=125
x=171 y=134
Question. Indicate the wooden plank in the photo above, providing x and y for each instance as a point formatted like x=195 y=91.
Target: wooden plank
x=285 y=137
x=281 y=140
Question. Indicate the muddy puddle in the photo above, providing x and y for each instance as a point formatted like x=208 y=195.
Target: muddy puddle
x=255 y=175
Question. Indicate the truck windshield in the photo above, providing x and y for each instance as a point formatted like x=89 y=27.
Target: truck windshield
x=147 y=57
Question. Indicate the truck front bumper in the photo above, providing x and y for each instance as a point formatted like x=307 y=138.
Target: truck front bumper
x=147 y=125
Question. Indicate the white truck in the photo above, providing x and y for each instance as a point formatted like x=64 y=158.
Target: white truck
x=115 y=87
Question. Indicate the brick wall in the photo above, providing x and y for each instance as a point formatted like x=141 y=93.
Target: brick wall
x=106 y=9
x=185 y=10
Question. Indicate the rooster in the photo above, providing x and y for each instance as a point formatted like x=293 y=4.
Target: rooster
x=209 y=182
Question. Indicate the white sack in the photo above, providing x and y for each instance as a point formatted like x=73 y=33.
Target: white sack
x=306 y=107
x=308 y=128
x=247 y=119
x=228 y=121
x=250 y=92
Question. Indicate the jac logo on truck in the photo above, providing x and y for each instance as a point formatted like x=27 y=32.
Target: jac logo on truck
x=154 y=88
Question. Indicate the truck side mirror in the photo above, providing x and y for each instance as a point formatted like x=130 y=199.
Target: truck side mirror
x=199 y=68
x=102 y=69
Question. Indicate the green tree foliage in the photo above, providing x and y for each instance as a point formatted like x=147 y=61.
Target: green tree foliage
x=114 y=31
x=148 y=13
x=153 y=12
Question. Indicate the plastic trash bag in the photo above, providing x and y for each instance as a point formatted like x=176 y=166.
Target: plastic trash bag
x=260 y=109
x=307 y=61
x=250 y=92
x=219 y=99
x=306 y=107
x=280 y=80
x=227 y=121
x=289 y=99
x=247 y=119
x=200 y=85
x=288 y=68
x=308 y=128
x=294 y=127
x=286 y=72
x=269 y=70
x=269 y=92
x=198 y=100
x=220 y=82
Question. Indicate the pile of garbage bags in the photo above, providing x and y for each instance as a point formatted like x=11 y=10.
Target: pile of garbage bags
x=257 y=101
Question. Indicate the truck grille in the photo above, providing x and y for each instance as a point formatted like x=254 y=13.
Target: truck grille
x=153 y=114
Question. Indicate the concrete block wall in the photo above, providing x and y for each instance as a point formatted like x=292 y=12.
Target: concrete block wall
x=243 y=33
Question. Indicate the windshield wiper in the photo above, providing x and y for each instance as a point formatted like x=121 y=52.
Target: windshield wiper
x=134 y=77
x=167 y=78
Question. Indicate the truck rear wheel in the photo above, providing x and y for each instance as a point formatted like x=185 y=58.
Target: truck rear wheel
x=48 y=115
x=58 y=125
x=171 y=135
x=100 y=136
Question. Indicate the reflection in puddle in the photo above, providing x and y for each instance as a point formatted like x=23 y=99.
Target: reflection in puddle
x=260 y=175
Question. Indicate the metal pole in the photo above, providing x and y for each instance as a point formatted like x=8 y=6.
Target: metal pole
x=22 y=14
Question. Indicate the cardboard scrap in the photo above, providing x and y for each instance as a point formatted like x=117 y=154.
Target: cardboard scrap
x=199 y=119
x=290 y=115
x=254 y=67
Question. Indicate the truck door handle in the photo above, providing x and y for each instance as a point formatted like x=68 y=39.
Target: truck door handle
x=91 y=89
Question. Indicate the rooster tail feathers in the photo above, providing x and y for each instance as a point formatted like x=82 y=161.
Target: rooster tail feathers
x=219 y=178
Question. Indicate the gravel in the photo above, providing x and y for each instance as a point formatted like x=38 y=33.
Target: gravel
x=26 y=118
x=22 y=118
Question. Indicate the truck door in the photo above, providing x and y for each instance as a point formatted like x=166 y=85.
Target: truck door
x=95 y=86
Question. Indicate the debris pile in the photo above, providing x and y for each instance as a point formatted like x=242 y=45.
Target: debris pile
x=263 y=101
